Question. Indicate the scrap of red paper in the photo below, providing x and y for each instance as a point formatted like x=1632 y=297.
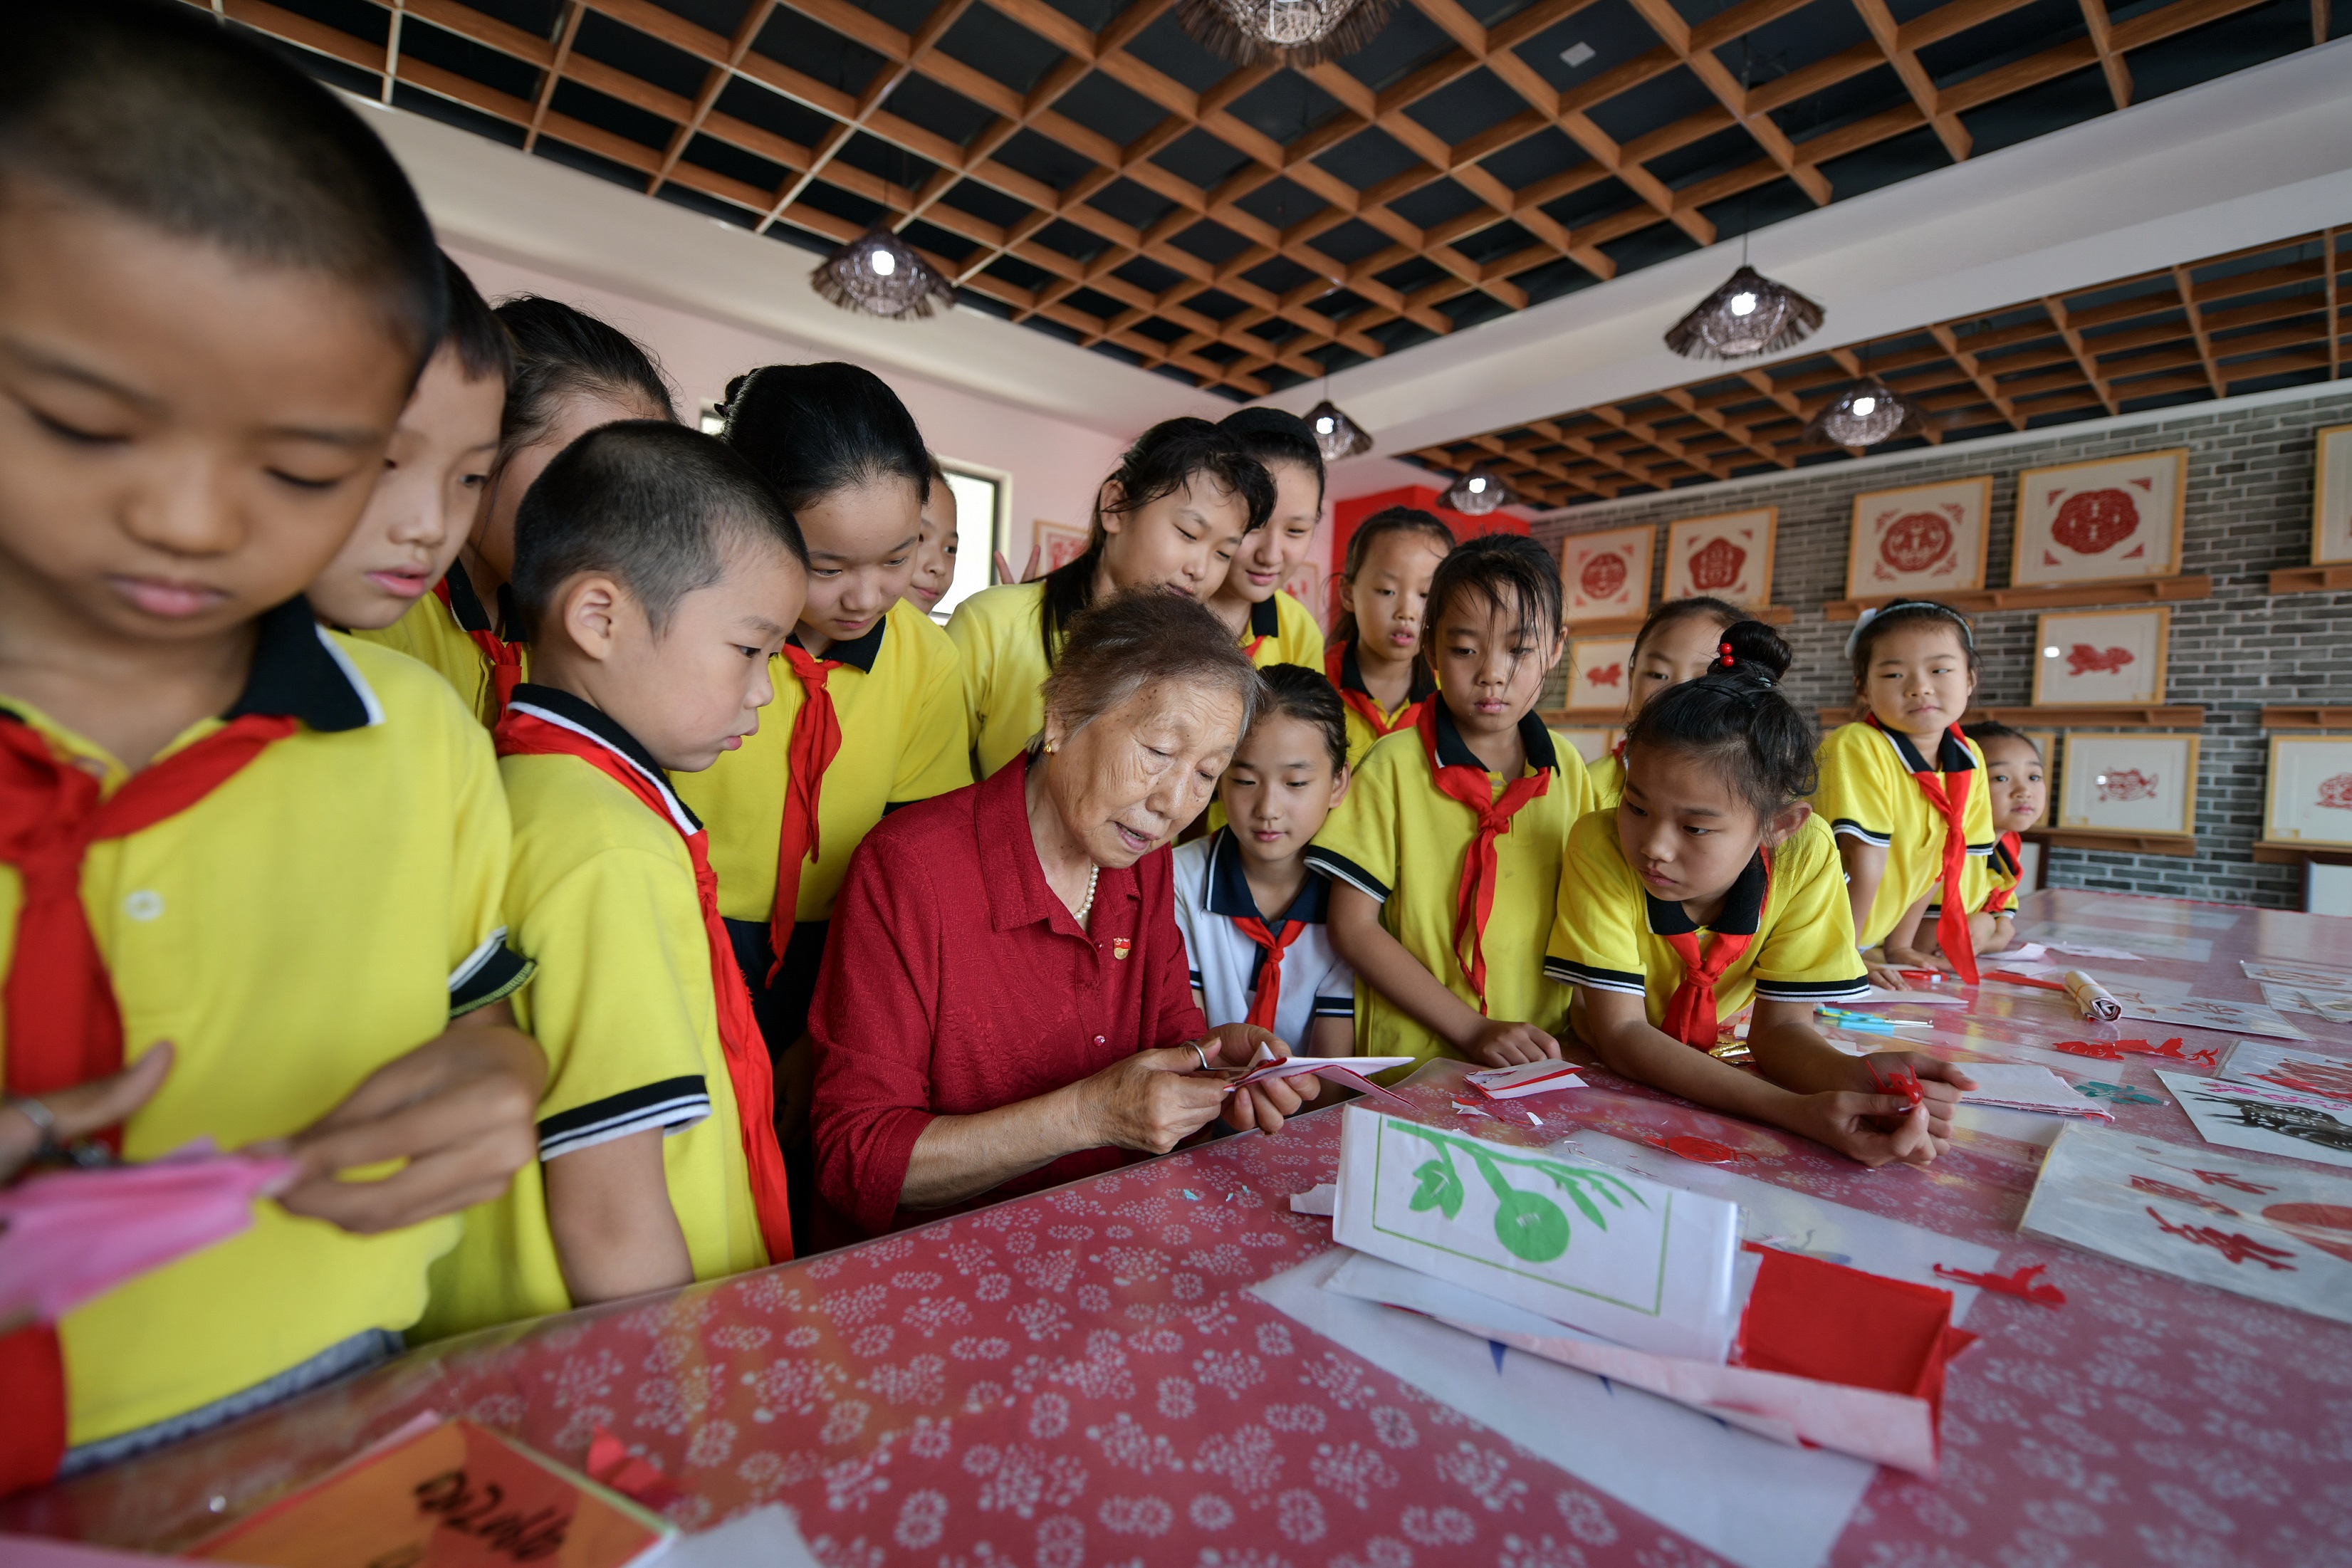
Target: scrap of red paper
x=638 y=1479
x=1706 y=1151
x=1810 y=1318
x=2020 y=1284
x=1899 y=1081
x=2116 y=1050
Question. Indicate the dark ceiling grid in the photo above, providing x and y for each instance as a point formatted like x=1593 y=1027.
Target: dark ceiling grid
x=1085 y=167
x=2240 y=322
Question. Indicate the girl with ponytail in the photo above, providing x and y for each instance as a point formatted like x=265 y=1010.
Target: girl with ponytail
x=1678 y=643
x=1375 y=657
x=1712 y=883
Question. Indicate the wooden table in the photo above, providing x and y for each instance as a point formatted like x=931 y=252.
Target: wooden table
x=1081 y=1378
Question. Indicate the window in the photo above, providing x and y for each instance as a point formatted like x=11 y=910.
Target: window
x=983 y=507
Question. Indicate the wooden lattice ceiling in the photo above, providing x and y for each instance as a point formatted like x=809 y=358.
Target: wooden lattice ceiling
x=2244 y=321
x=1083 y=166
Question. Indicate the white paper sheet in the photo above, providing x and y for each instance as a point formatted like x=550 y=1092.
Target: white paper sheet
x=2084 y=940
x=2335 y=1006
x=1527 y=1079
x=2209 y=1013
x=2265 y=1119
x=1926 y=996
x=2318 y=974
x=2285 y=1067
x=1319 y=1198
x=2021 y=1086
x=764 y=1537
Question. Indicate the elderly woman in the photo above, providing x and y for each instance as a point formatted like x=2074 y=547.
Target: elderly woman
x=1005 y=1003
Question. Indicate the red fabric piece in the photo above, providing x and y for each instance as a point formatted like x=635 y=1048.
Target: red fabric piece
x=1690 y=1011
x=1474 y=899
x=506 y=658
x=748 y=1068
x=955 y=982
x=1949 y=793
x=63 y=1027
x=638 y=1479
x=1810 y=1318
x=1268 y=999
x=1334 y=666
x=816 y=741
x=2013 y=846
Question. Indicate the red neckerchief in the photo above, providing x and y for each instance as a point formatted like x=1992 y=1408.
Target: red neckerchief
x=1690 y=1012
x=63 y=1026
x=1360 y=701
x=816 y=741
x=2012 y=850
x=506 y=658
x=1474 y=899
x=1250 y=650
x=1268 y=999
x=521 y=732
x=1948 y=791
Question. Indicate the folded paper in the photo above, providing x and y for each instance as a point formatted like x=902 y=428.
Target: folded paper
x=2017 y=1086
x=1525 y=1078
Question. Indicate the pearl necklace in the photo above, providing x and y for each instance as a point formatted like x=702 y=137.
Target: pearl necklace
x=1094 y=874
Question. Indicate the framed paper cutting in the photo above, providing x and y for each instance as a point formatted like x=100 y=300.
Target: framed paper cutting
x=1600 y=670
x=2101 y=657
x=2310 y=796
x=1729 y=557
x=2331 y=498
x=2091 y=522
x=2130 y=784
x=1057 y=544
x=1606 y=577
x=1923 y=540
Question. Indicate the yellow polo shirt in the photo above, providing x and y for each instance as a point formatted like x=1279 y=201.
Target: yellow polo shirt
x=1608 y=776
x=899 y=697
x=1867 y=792
x=1281 y=630
x=1611 y=931
x=315 y=917
x=997 y=633
x=602 y=898
x=1399 y=840
x=435 y=635
x=1350 y=677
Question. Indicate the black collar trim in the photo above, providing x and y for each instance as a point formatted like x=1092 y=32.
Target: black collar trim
x=1453 y=751
x=862 y=653
x=1351 y=676
x=1266 y=615
x=465 y=605
x=301 y=672
x=1226 y=890
x=1742 y=912
x=584 y=717
x=1951 y=753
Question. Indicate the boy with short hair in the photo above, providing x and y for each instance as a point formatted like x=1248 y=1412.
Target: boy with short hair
x=655 y=574
x=223 y=829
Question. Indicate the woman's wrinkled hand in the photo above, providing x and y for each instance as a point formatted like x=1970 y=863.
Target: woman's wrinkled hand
x=1152 y=1100
x=1262 y=1107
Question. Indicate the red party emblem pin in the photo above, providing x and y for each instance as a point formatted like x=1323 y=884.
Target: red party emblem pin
x=1119 y=946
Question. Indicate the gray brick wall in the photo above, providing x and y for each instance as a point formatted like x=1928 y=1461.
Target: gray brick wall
x=2248 y=511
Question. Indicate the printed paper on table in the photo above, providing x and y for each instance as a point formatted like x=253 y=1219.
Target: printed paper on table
x=2287 y=973
x=1606 y=577
x=1613 y=1254
x=2118 y=518
x=2331 y=498
x=1591 y=744
x=2333 y=1005
x=2272 y=1232
x=1600 y=673
x=2264 y=1119
x=2101 y=657
x=2283 y=1066
x=2209 y=1012
x=1527 y=1079
x=1728 y=557
x=2130 y=784
x=2309 y=800
x=1919 y=541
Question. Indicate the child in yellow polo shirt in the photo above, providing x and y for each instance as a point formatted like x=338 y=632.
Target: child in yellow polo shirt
x=573 y=372
x=1903 y=789
x=1680 y=641
x=656 y=573
x=226 y=832
x=434 y=475
x=1183 y=498
x=1468 y=812
x=2019 y=791
x=1710 y=883
x=1274 y=627
x=1375 y=659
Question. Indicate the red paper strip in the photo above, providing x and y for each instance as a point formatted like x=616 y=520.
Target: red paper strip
x=1704 y=1150
x=635 y=1477
x=2020 y=1284
x=2016 y=979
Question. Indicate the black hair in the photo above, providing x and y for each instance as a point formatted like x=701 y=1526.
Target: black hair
x=1164 y=459
x=1894 y=616
x=1272 y=436
x=1294 y=692
x=483 y=345
x=1988 y=731
x=1370 y=532
x=662 y=508
x=559 y=352
x=1508 y=571
x=1721 y=612
x=157 y=112
x=1739 y=719
x=1135 y=637
x=815 y=429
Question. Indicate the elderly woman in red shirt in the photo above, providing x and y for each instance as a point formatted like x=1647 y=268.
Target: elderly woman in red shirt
x=1005 y=1003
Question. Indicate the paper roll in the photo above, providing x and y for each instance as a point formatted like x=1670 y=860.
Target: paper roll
x=2091 y=998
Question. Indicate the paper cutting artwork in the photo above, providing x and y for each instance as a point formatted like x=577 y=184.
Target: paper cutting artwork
x=1606 y=577
x=2138 y=784
x=1600 y=671
x=2086 y=523
x=2101 y=657
x=1924 y=540
x=2209 y=1013
x=1058 y=545
x=1729 y=557
x=2309 y=799
x=2282 y=1067
x=2264 y=1118
x=2331 y=497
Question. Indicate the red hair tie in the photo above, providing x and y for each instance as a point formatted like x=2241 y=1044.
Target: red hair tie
x=1728 y=660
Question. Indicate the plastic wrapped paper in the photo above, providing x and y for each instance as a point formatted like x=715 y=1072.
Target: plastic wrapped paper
x=2091 y=998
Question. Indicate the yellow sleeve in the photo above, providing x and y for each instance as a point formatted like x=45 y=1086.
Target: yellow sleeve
x=1359 y=842
x=1596 y=938
x=936 y=754
x=1299 y=639
x=1574 y=777
x=1855 y=785
x=1808 y=953
x=975 y=647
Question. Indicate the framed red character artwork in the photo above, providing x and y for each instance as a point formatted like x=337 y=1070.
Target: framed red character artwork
x=1919 y=541
x=1601 y=669
x=2090 y=523
x=1606 y=577
x=2086 y=658
x=1728 y=557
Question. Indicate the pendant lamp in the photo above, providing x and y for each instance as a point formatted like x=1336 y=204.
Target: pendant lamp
x=1863 y=414
x=1477 y=493
x=878 y=274
x=1338 y=436
x=1295 y=33
x=1750 y=314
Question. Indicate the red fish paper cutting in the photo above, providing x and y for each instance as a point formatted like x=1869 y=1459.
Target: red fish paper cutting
x=2085 y=659
x=2127 y=783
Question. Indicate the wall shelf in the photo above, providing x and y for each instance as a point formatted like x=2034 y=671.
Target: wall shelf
x=2311 y=579
x=1627 y=626
x=1582 y=718
x=2139 y=717
x=2297 y=716
x=2114 y=843
x=2048 y=596
x=2286 y=852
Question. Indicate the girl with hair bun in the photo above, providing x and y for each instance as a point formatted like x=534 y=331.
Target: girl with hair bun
x=1678 y=643
x=1712 y=883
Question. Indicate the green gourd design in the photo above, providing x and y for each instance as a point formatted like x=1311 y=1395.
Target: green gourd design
x=1530 y=1225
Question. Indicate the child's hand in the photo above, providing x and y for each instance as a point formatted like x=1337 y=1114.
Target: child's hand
x=1941 y=1085
x=1500 y=1043
x=1858 y=1126
x=1263 y=1106
x=1916 y=958
x=1885 y=975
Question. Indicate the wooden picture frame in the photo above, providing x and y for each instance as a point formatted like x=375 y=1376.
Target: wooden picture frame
x=2134 y=786
x=1920 y=540
x=2101 y=658
x=2331 y=496
x=1600 y=673
x=1605 y=576
x=1727 y=556
x=2309 y=784
x=2111 y=519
